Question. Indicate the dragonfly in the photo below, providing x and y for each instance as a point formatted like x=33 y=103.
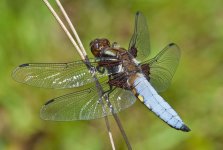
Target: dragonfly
x=125 y=75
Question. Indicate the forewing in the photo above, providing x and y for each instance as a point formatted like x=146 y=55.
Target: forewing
x=54 y=75
x=139 y=45
x=163 y=66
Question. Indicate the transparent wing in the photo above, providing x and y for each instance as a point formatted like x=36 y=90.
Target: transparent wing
x=54 y=75
x=121 y=99
x=163 y=66
x=139 y=45
x=85 y=105
x=82 y=105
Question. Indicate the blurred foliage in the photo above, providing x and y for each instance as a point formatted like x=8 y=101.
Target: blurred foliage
x=29 y=33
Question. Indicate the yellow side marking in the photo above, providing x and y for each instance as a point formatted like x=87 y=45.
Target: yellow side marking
x=140 y=98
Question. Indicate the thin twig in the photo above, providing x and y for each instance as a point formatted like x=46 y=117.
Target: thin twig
x=118 y=122
x=81 y=51
x=71 y=27
x=109 y=132
x=85 y=54
x=64 y=28
x=122 y=131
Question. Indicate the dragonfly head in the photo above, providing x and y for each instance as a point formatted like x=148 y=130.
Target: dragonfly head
x=98 y=45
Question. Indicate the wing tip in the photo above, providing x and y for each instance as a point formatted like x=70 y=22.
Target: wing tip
x=138 y=13
x=16 y=70
x=48 y=102
x=171 y=44
x=24 y=65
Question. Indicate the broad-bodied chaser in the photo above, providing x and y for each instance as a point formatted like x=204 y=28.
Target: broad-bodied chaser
x=124 y=75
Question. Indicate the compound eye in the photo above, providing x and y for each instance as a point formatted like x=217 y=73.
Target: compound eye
x=96 y=46
x=95 y=49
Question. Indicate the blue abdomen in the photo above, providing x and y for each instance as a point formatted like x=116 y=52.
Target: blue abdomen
x=148 y=95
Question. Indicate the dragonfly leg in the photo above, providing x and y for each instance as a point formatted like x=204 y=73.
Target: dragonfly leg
x=111 y=89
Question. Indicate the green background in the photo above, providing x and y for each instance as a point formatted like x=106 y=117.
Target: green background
x=29 y=33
